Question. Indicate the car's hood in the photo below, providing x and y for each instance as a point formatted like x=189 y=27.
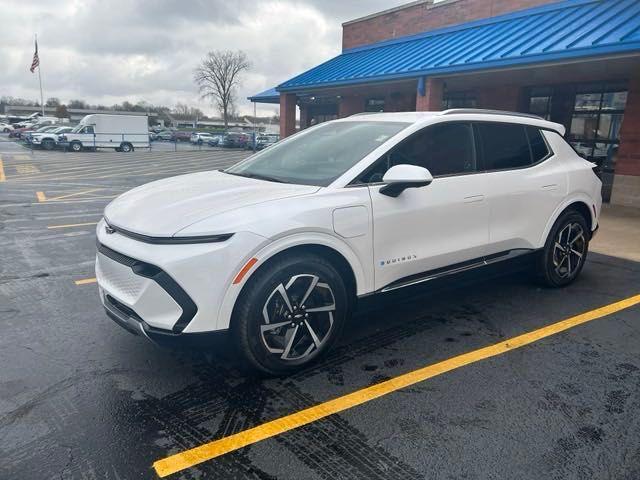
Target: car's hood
x=167 y=206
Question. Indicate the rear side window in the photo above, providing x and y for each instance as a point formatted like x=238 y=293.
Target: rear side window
x=503 y=145
x=539 y=149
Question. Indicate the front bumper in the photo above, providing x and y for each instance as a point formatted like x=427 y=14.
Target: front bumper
x=169 y=289
x=131 y=322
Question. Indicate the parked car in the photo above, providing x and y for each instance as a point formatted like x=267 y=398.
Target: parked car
x=215 y=140
x=264 y=141
x=234 y=140
x=180 y=136
x=48 y=139
x=122 y=132
x=199 y=138
x=275 y=250
x=166 y=135
x=27 y=136
x=5 y=127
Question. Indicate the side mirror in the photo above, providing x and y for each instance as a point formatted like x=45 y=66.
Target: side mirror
x=400 y=177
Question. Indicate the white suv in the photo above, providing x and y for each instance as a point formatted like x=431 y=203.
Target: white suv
x=277 y=249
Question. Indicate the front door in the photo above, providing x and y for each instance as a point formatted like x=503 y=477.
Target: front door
x=431 y=227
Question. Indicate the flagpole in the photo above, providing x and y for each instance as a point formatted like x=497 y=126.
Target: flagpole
x=40 y=81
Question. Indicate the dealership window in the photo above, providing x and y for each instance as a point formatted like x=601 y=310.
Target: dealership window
x=459 y=100
x=595 y=125
x=540 y=102
x=374 y=105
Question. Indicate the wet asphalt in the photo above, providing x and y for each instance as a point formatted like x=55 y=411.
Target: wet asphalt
x=82 y=398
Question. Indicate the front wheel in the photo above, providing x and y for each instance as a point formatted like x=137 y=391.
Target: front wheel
x=75 y=146
x=565 y=250
x=290 y=313
x=48 y=144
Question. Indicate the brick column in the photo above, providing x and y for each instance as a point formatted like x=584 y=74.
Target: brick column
x=349 y=105
x=626 y=182
x=429 y=95
x=287 y=114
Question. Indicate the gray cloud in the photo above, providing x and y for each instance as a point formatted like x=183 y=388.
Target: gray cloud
x=111 y=51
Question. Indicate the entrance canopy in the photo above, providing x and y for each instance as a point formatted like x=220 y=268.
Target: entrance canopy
x=559 y=32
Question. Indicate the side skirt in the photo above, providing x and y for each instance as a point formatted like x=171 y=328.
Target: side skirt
x=454 y=269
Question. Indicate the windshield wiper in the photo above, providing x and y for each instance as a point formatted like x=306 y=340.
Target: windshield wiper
x=257 y=176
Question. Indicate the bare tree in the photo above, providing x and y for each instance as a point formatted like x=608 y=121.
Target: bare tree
x=218 y=76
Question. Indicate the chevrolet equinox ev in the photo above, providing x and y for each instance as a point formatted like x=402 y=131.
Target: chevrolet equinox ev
x=277 y=249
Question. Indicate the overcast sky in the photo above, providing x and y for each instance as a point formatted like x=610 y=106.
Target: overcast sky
x=108 y=51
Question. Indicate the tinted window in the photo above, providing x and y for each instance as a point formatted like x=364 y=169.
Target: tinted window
x=504 y=145
x=445 y=149
x=539 y=148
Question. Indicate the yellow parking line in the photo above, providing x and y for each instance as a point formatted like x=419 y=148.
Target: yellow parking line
x=41 y=197
x=69 y=225
x=208 y=451
x=74 y=194
x=85 y=281
x=3 y=178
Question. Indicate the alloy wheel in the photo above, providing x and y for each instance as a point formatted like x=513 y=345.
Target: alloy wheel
x=569 y=250
x=298 y=317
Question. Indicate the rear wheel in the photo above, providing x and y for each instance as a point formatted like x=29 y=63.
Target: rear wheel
x=565 y=250
x=290 y=313
x=126 y=147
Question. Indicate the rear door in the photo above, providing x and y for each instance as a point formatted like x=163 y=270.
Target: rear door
x=435 y=226
x=526 y=182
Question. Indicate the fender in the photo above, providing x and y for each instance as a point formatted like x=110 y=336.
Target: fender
x=363 y=273
x=581 y=197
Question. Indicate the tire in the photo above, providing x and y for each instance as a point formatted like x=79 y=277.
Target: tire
x=75 y=146
x=565 y=250
x=48 y=144
x=6 y=130
x=306 y=330
x=126 y=147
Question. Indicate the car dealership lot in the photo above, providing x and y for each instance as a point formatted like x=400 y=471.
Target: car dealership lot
x=82 y=398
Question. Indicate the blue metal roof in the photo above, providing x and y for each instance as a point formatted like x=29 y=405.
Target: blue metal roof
x=570 y=29
x=268 y=96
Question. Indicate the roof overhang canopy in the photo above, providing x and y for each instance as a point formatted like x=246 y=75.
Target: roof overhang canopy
x=571 y=30
x=268 y=96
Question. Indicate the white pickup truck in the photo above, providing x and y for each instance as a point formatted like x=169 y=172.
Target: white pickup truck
x=124 y=133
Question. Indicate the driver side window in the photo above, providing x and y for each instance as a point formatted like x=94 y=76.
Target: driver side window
x=444 y=149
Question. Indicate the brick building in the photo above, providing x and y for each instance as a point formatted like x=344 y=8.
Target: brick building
x=575 y=62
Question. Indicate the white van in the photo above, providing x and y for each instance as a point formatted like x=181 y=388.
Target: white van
x=124 y=133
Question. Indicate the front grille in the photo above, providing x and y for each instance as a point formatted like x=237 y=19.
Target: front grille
x=162 y=278
x=122 y=308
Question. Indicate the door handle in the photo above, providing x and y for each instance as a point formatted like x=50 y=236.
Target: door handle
x=474 y=198
x=551 y=186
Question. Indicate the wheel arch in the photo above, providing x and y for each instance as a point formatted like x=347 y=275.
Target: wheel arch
x=341 y=255
x=581 y=204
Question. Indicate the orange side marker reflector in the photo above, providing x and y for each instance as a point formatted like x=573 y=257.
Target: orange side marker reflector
x=244 y=270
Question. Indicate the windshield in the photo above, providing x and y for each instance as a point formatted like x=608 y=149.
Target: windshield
x=319 y=156
x=77 y=128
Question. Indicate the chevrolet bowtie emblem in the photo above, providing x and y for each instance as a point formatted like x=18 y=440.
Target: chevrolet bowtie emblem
x=109 y=229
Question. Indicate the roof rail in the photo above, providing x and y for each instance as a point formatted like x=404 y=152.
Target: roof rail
x=453 y=111
x=359 y=114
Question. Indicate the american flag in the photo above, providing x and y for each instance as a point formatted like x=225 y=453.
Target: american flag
x=36 y=61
